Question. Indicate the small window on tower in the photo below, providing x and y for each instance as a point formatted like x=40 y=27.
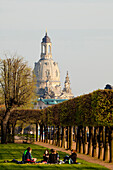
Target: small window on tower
x=56 y=73
x=44 y=49
x=49 y=49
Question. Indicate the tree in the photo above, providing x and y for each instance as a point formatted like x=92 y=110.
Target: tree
x=17 y=85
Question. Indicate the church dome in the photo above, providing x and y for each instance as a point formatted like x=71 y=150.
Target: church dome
x=47 y=69
x=48 y=74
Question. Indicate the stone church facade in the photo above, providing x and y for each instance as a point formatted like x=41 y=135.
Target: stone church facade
x=48 y=75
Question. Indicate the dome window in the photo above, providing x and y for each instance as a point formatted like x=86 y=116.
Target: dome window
x=56 y=73
x=54 y=63
x=46 y=63
x=47 y=73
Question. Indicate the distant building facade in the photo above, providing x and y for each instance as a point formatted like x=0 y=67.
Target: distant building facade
x=44 y=103
x=48 y=75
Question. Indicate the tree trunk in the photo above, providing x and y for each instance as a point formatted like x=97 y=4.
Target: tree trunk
x=13 y=131
x=63 y=137
x=81 y=140
x=40 y=134
x=90 y=141
x=106 y=151
x=58 y=136
x=111 y=144
x=53 y=142
x=94 y=154
x=85 y=141
x=4 y=127
x=37 y=132
x=100 y=156
x=103 y=136
x=22 y=128
x=74 y=136
x=67 y=137
x=78 y=139
x=46 y=134
x=70 y=137
x=8 y=132
x=55 y=135
x=50 y=135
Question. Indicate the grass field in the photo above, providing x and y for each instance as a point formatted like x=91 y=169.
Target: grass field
x=15 y=151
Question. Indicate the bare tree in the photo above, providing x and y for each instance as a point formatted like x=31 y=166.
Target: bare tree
x=17 y=85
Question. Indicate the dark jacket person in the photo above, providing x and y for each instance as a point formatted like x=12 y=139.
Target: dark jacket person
x=28 y=157
x=73 y=156
x=53 y=157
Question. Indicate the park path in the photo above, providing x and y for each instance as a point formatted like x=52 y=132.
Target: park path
x=81 y=156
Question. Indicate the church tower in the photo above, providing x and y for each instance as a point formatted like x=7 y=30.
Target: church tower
x=67 y=88
x=47 y=72
x=66 y=92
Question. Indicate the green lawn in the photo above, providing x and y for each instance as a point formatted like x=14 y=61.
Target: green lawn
x=15 y=151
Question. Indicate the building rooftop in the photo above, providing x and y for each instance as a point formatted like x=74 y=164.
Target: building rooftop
x=46 y=39
x=108 y=86
x=52 y=101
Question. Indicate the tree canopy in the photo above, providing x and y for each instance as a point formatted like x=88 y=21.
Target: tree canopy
x=17 y=87
x=16 y=82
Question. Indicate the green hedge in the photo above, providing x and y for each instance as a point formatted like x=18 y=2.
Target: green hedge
x=94 y=109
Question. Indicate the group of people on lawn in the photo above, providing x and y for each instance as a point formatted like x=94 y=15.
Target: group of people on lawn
x=52 y=158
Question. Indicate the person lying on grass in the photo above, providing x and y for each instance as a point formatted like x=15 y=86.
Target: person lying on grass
x=28 y=157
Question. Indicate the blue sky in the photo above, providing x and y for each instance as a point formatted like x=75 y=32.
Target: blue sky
x=81 y=32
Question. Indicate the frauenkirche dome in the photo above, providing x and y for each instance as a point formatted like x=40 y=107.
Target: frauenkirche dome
x=48 y=74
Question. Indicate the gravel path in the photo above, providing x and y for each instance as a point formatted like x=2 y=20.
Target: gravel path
x=81 y=156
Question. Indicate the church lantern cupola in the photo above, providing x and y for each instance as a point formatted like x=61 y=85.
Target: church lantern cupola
x=46 y=47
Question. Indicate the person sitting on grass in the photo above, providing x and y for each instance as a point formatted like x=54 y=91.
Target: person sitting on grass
x=46 y=155
x=28 y=157
x=53 y=157
x=57 y=155
x=23 y=156
x=73 y=157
